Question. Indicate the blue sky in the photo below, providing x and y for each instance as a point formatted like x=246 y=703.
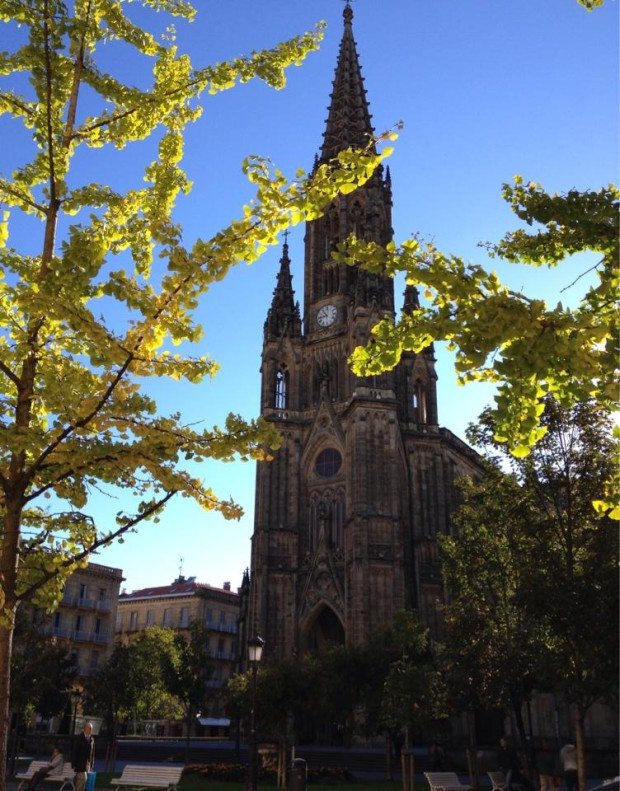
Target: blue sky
x=486 y=89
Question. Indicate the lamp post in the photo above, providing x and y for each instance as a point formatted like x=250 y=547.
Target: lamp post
x=76 y=696
x=255 y=653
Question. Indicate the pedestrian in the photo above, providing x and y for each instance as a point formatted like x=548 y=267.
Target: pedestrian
x=53 y=767
x=568 y=758
x=510 y=765
x=83 y=756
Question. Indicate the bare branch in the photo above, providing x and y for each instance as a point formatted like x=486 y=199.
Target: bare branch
x=101 y=541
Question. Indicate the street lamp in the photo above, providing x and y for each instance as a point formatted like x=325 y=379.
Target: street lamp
x=255 y=653
x=76 y=696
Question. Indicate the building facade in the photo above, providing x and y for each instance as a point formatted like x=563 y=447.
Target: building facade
x=86 y=616
x=177 y=606
x=349 y=511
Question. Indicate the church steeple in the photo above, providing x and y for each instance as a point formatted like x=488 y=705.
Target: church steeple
x=283 y=316
x=412 y=299
x=348 y=120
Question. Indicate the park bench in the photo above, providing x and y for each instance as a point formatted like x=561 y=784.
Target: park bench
x=150 y=776
x=498 y=781
x=445 y=781
x=64 y=777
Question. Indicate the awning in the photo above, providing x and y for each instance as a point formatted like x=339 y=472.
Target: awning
x=214 y=722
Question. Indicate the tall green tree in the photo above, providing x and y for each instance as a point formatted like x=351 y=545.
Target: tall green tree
x=492 y=643
x=92 y=315
x=534 y=568
x=413 y=693
x=42 y=671
x=186 y=670
x=135 y=682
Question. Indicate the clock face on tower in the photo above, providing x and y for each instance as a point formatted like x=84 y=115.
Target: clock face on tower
x=327 y=315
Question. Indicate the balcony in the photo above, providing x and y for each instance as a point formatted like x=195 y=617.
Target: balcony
x=77 y=635
x=216 y=626
x=78 y=602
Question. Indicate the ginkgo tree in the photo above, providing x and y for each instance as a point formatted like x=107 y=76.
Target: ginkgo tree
x=524 y=346
x=111 y=290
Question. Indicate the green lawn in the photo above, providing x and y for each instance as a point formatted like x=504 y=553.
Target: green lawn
x=197 y=783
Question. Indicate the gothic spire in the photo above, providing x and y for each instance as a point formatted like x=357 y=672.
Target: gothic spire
x=348 y=120
x=412 y=299
x=283 y=316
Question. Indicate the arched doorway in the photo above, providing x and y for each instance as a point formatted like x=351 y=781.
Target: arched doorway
x=325 y=631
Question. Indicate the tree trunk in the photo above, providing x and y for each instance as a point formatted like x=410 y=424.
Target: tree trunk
x=9 y=561
x=188 y=725
x=6 y=647
x=517 y=707
x=12 y=757
x=472 y=750
x=578 y=718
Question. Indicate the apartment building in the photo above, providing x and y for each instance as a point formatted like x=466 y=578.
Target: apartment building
x=176 y=606
x=86 y=616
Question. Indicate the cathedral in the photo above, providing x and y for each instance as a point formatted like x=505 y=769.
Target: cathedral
x=349 y=511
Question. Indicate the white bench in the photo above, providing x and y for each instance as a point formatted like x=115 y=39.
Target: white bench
x=498 y=781
x=150 y=776
x=445 y=781
x=64 y=777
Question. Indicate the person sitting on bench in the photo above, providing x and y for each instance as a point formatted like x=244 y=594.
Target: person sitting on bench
x=54 y=766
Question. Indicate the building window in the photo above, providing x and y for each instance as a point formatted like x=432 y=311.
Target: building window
x=419 y=401
x=209 y=617
x=150 y=617
x=102 y=593
x=328 y=462
x=98 y=626
x=82 y=591
x=281 y=395
x=183 y=618
x=119 y=621
x=94 y=658
x=166 y=618
x=133 y=620
x=223 y=618
x=57 y=620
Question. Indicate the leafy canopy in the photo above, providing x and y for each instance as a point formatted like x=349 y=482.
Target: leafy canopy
x=111 y=292
x=519 y=343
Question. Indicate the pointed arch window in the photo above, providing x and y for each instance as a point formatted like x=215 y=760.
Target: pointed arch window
x=281 y=388
x=419 y=401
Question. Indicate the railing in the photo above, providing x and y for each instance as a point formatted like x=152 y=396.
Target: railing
x=216 y=626
x=78 y=635
x=84 y=603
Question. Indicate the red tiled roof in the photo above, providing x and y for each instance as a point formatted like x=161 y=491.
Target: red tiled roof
x=176 y=589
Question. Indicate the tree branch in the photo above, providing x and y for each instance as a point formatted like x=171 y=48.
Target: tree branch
x=101 y=541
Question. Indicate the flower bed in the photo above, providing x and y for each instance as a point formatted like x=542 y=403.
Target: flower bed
x=236 y=773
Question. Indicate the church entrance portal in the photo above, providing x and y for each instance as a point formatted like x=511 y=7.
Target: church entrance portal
x=326 y=631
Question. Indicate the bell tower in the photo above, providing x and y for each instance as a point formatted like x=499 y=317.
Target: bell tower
x=348 y=512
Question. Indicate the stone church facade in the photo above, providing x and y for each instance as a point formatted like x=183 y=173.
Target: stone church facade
x=349 y=511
